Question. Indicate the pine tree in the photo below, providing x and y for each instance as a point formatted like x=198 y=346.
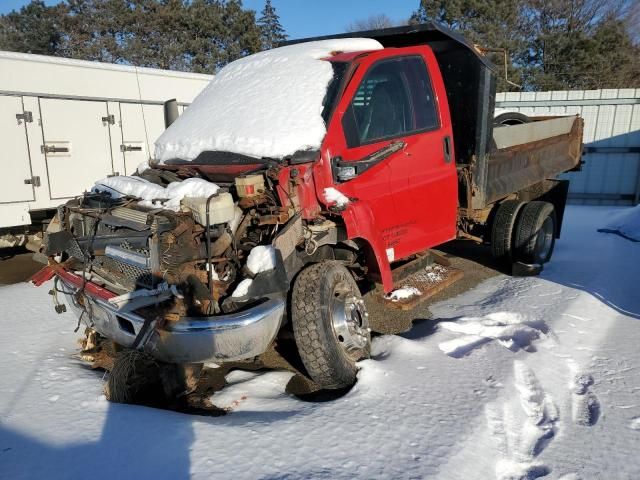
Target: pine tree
x=271 y=30
x=194 y=35
x=35 y=28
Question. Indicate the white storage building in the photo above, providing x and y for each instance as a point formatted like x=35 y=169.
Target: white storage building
x=65 y=123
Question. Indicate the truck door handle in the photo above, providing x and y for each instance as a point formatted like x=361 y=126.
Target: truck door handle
x=446 y=145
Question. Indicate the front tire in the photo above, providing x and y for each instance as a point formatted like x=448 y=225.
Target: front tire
x=330 y=324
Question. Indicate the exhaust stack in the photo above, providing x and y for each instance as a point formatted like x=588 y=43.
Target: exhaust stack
x=170 y=112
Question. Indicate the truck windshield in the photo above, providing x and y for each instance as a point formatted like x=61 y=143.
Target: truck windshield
x=331 y=98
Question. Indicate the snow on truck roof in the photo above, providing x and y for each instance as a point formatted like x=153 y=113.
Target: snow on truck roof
x=265 y=105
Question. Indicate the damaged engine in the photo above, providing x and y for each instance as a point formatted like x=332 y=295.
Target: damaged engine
x=124 y=244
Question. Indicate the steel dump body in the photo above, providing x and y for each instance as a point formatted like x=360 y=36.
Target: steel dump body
x=521 y=156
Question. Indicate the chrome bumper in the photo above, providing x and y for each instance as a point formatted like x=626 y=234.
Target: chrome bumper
x=220 y=338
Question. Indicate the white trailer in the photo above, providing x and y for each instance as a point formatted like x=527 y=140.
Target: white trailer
x=65 y=123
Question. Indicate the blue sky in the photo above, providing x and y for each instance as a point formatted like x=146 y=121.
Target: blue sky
x=304 y=18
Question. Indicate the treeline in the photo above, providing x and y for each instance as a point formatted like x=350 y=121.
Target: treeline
x=195 y=35
x=551 y=44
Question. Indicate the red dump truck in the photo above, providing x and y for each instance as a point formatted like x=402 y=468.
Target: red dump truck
x=410 y=160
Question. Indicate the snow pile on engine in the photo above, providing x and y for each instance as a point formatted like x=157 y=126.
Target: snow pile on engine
x=626 y=224
x=136 y=187
x=264 y=105
x=261 y=259
x=243 y=288
x=152 y=195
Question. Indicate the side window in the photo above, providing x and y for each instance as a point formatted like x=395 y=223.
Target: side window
x=395 y=98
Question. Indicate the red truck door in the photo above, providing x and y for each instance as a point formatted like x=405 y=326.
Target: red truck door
x=392 y=126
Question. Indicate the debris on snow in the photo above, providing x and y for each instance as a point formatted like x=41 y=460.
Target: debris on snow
x=265 y=105
x=626 y=224
x=331 y=195
x=403 y=293
x=512 y=330
x=261 y=259
x=155 y=196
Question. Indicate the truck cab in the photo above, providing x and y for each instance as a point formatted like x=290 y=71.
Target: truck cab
x=389 y=145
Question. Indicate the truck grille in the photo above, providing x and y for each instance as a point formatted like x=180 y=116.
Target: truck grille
x=128 y=276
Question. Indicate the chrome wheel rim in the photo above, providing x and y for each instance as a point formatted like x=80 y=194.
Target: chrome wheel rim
x=544 y=240
x=350 y=320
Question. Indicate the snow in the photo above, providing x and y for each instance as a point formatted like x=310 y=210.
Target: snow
x=565 y=404
x=243 y=288
x=261 y=259
x=265 y=105
x=155 y=196
x=142 y=166
x=403 y=293
x=510 y=329
x=625 y=224
x=333 y=196
x=121 y=186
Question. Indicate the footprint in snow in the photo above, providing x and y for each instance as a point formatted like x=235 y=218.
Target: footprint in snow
x=585 y=405
x=512 y=330
x=522 y=428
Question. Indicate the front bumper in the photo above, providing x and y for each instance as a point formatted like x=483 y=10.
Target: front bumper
x=221 y=338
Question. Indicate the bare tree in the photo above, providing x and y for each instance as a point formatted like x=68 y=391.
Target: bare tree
x=374 y=22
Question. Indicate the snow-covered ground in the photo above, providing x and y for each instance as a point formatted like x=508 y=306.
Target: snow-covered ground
x=518 y=378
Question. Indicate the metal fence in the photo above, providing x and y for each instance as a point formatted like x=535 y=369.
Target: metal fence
x=611 y=173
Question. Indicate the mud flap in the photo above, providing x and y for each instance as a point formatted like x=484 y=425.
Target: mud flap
x=519 y=269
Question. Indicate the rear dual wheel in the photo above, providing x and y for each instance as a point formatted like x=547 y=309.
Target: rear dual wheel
x=535 y=236
x=523 y=232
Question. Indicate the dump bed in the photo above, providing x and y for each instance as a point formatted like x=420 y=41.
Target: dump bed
x=520 y=156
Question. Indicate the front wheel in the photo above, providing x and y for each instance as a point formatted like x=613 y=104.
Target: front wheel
x=330 y=324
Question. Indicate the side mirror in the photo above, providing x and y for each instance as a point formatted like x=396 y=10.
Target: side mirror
x=170 y=112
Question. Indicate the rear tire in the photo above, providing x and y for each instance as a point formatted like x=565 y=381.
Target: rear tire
x=502 y=231
x=330 y=324
x=535 y=233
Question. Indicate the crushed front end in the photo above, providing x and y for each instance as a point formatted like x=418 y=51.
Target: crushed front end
x=205 y=281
